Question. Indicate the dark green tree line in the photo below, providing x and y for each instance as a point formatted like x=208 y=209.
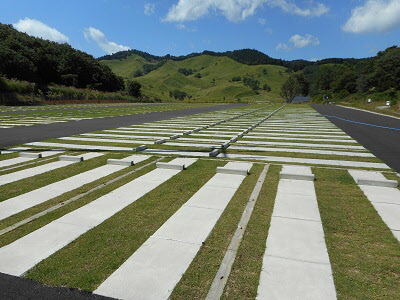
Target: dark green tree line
x=44 y=62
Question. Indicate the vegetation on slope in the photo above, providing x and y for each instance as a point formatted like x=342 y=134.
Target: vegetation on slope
x=376 y=78
x=24 y=57
x=244 y=56
x=203 y=78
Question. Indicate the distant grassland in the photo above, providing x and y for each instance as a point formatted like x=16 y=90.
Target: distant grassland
x=215 y=84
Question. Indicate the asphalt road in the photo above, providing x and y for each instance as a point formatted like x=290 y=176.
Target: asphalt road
x=384 y=143
x=15 y=288
x=20 y=135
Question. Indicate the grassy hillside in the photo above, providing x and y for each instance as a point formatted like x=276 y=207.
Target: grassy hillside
x=215 y=84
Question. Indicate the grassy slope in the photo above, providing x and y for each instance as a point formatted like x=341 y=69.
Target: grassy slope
x=126 y=67
x=165 y=79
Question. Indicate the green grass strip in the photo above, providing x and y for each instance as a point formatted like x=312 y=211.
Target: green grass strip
x=8 y=156
x=33 y=163
x=305 y=155
x=66 y=196
x=89 y=260
x=364 y=254
x=243 y=280
x=29 y=184
x=197 y=280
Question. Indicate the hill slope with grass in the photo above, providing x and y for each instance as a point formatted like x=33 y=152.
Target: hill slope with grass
x=206 y=79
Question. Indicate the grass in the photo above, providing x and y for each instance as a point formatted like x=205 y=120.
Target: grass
x=197 y=280
x=215 y=84
x=28 y=184
x=32 y=163
x=392 y=176
x=99 y=252
x=68 y=195
x=364 y=254
x=282 y=139
x=91 y=112
x=305 y=155
x=8 y=156
x=243 y=280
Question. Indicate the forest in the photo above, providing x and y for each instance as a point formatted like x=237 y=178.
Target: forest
x=43 y=62
x=245 y=56
x=378 y=76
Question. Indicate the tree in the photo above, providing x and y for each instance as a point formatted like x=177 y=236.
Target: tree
x=138 y=73
x=177 y=94
x=133 y=89
x=254 y=84
x=237 y=78
x=290 y=89
x=43 y=62
x=197 y=75
x=266 y=87
x=305 y=86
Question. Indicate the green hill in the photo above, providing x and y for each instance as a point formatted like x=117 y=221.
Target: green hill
x=214 y=84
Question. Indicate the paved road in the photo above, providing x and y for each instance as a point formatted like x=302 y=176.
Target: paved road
x=383 y=143
x=15 y=288
x=20 y=135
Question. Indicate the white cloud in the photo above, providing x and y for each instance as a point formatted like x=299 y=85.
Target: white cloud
x=374 y=16
x=290 y=7
x=262 y=21
x=269 y=30
x=282 y=47
x=299 y=41
x=93 y=34
x=303 y=41
x=184 y=27
x=236 y=10
x=36 y=28
x=149 y=9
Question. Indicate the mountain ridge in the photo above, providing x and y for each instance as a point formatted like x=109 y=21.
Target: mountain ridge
x=246 y=56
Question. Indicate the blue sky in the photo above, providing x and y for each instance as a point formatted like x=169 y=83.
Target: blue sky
x=287 y=29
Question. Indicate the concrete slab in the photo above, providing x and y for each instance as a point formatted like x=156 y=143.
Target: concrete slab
x=206 y=197
x=119 y=141
x=21 y=255
x=390 y=214
x=185 y=231
x=289 y=279
x=38 y=245
x=310 y=145
x=297 y=239
x=372 y=178
x=30 y=154
x=189 y=224
x=19 y=203
x=163 y=165
x=146 y=282
x=296 y=173
x=296 y=207
x=382 y=194
x=140 y=148
x=231 y=171
x=126 y=136
x=214 y=153
x=14 y=161
x=296 y=262
x=82 y=147
x=23 y=174
x=308 y=161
